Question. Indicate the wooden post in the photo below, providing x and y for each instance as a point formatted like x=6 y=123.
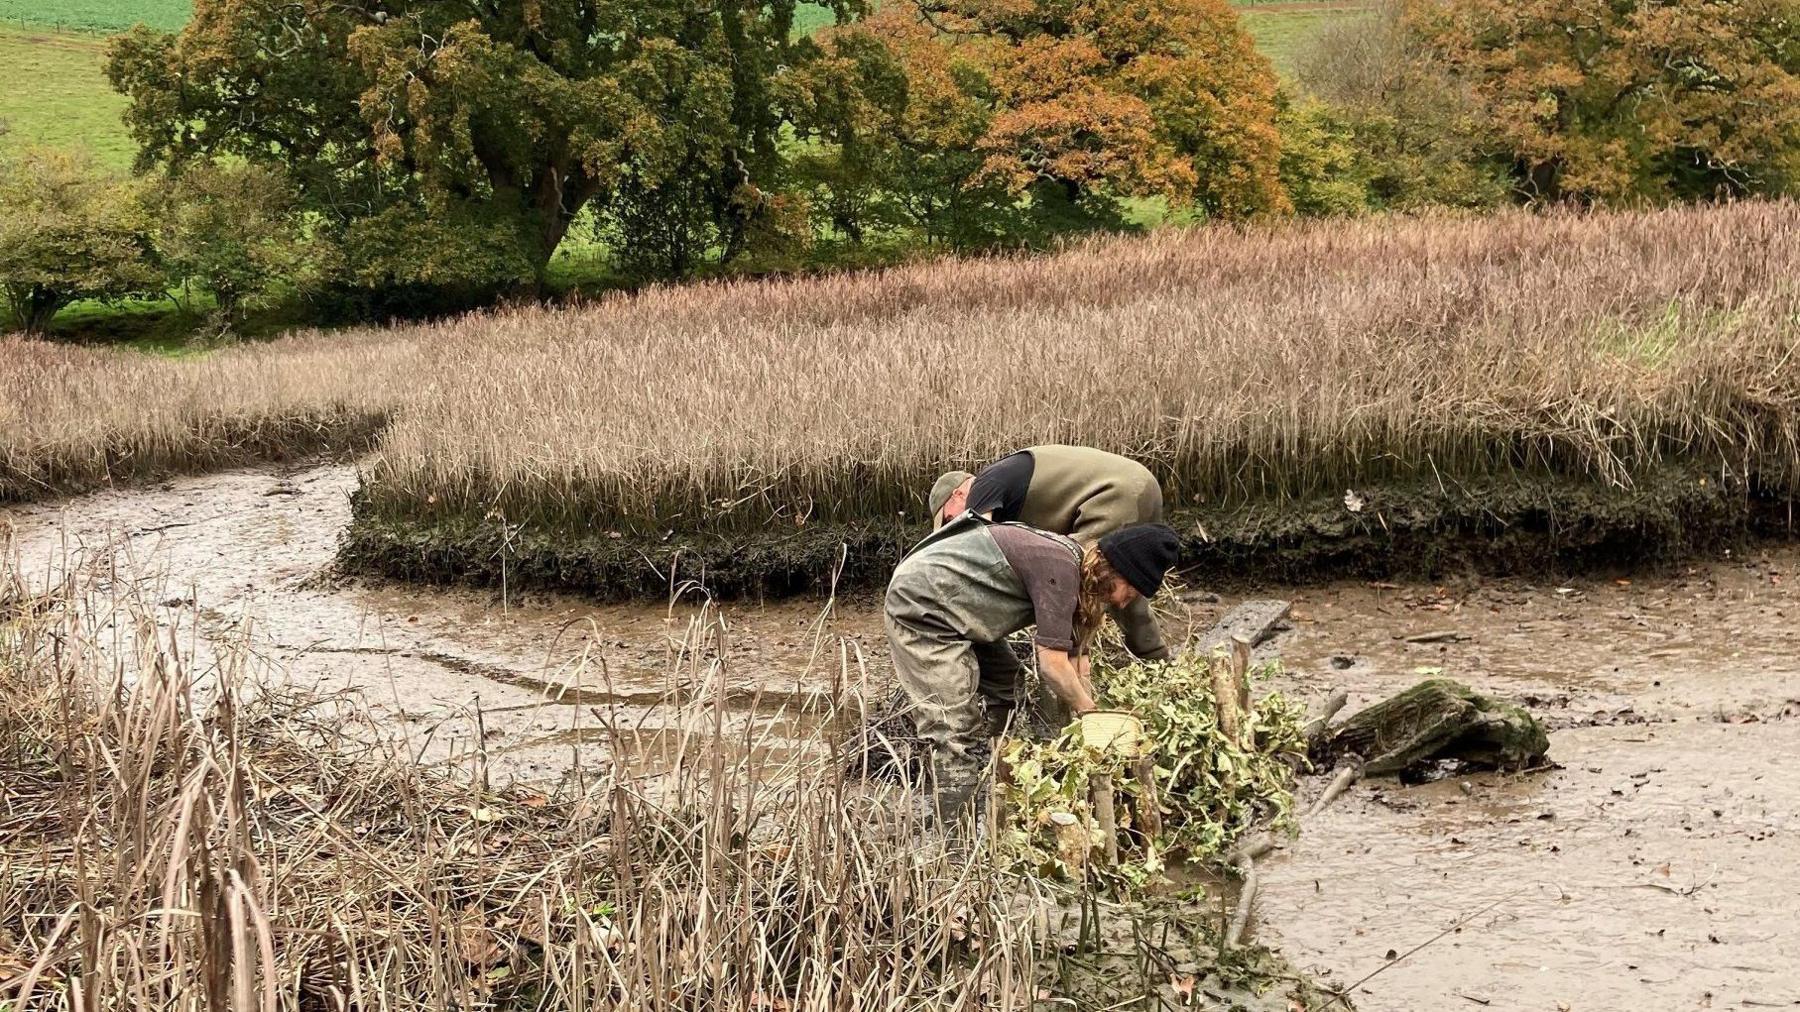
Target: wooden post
x=1224 y=686
x=1100 y=793
x=1149 y=804
x=1231 y=690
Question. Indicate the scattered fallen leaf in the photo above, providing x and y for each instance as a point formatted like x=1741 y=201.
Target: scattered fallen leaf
x=475 y=943
x=484 y=815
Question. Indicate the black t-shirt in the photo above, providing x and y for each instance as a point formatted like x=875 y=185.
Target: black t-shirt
x=1001 y=487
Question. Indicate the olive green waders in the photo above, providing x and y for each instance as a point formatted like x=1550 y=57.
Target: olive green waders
x=950 y=606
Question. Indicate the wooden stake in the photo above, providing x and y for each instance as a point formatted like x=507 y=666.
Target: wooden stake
x=1346 y=776
x=1100 y=793
x=1320 y=719
x=1225 y=695
x=1149 y=802
x=1240 y=677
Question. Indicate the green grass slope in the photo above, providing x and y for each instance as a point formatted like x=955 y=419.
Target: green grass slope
x=97 y=15
x=53 y=91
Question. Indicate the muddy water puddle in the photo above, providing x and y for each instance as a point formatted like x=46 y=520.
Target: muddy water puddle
x=1656 y=869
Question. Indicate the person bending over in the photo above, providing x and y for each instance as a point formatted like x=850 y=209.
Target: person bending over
x=1076 y=491
x=962 y=591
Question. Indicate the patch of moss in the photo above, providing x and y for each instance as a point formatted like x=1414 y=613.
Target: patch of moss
x=777 y=562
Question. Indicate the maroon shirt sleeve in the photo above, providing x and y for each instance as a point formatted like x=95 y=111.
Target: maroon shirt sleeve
x=1051 y=573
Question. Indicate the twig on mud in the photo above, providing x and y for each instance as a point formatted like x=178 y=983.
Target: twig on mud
x=1241 y=919
x=1342 y=995
x=1346 y=776
x=1437 y=636
x=1688 y=890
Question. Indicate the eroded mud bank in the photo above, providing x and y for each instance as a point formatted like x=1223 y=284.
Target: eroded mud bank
x=1421 y=529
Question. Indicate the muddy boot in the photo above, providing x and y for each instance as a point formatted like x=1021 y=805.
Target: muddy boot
x=958 y=803
x=960 y=813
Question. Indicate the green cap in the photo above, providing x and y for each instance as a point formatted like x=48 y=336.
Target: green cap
x=941 y=491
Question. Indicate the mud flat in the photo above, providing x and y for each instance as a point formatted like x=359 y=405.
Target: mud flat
x=1643 y=873
x=1653 y=869
x=533 y=677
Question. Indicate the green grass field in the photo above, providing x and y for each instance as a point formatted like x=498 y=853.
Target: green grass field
x=1283 y=35
x=97 y=15
x=52 y=91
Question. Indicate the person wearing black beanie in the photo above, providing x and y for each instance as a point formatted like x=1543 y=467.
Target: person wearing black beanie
x=1077 y=491
x=961 y=592
x=1141 y=554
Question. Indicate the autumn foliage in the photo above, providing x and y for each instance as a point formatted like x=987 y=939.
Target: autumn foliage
x=1052 y=101
x=1629 y=100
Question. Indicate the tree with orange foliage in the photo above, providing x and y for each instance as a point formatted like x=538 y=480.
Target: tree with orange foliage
x=1131 y=97
x=1629 y=101
x=896 y=114
x=993 y=120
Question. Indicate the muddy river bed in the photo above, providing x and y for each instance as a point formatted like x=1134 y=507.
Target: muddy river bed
x=1657 y=867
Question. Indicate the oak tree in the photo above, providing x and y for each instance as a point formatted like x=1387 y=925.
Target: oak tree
x=450 y=143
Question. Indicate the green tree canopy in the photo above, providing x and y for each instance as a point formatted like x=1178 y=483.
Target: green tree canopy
x=67 y=232
x=235 y=232
x=474 y=134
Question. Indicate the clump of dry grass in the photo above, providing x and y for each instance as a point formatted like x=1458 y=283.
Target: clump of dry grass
x=173 y=838
x=1241 y=363
x=75 y=417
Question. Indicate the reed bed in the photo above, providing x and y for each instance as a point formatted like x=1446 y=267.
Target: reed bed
x=191 y=839
x=1242 y=364
x=74 y=417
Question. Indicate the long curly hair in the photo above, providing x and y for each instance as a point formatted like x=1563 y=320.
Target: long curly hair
x=1097 y=575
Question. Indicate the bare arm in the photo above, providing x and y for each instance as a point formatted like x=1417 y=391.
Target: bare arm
x=1068 y=678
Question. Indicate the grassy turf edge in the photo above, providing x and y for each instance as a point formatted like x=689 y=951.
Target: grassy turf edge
x=1517 y=525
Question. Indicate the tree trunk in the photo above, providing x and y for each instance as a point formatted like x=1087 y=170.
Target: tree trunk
x=556 y=200
x=1440 y=719
x=39 y=308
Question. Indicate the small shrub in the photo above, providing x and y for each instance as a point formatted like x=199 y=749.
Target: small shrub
x=236 y=233
x=67 y=232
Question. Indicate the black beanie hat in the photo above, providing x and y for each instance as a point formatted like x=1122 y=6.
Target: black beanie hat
x=1142 y=553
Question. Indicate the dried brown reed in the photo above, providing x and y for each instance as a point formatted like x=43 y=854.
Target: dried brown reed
x=182 y=839
x=75 y=417
x=1239 y=362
